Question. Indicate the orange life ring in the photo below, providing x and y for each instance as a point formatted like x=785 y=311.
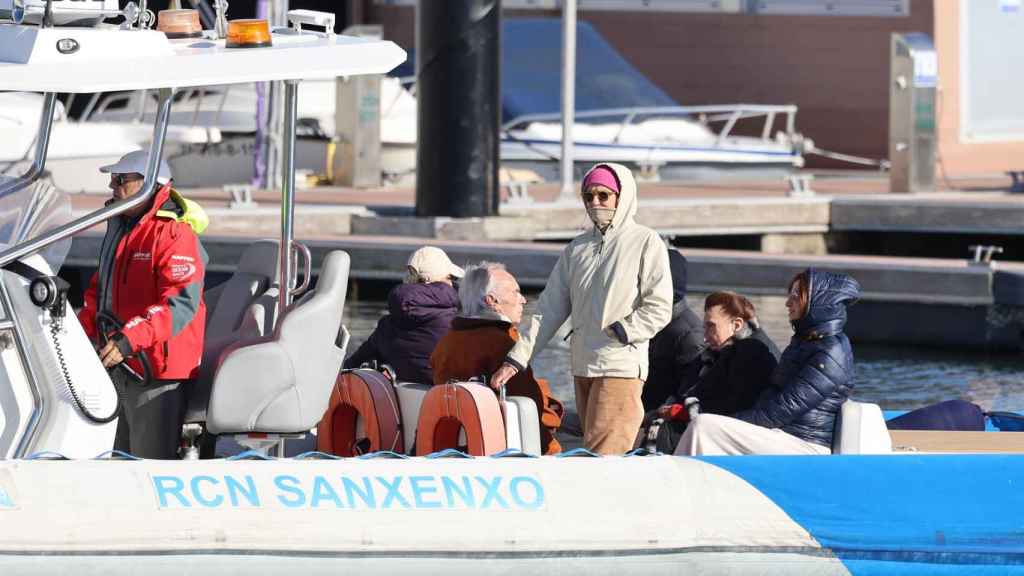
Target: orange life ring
x=450 y=407
x=360 y=393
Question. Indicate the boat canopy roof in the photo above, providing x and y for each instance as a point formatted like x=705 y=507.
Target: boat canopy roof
x=82 y=60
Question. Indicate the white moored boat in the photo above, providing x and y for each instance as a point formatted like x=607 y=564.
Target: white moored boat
x=635 y=123
x=77 y=148
x=64 y=508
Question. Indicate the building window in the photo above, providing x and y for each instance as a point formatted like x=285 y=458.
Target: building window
x=792 y=7
x=832 y=7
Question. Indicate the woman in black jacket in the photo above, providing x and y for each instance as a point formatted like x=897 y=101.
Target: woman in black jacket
x=796 y=415
x=730 y=373
x=737 y=365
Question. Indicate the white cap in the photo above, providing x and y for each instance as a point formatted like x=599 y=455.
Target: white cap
x=135 y=163
x=432 y=265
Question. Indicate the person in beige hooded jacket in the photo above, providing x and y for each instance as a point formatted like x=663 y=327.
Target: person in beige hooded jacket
x=614 y=286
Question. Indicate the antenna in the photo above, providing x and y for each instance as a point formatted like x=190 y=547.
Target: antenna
x=220 y=20
x=48 y=15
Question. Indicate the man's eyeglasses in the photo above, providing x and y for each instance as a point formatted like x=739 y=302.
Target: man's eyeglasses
x=122 y=179
x=588 y=197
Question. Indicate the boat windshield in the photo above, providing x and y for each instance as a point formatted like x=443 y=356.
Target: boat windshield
x=32 y=211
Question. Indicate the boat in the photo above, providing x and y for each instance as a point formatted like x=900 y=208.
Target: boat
x=622 y=117
x=227 y=114
x=69 y=504
x=73 y=148
x=77 y=147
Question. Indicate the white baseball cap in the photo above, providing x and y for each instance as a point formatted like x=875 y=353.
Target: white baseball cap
x=135 y=163
x=432 y=264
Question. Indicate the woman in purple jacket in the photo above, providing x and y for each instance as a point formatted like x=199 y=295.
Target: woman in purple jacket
x=421 y=312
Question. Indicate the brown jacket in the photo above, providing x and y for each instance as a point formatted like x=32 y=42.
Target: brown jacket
x=477 y=347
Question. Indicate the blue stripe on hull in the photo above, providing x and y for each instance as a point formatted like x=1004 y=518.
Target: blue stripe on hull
x=898 y=568
x=898 y=514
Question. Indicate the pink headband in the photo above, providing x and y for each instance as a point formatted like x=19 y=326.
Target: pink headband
x=604 y=176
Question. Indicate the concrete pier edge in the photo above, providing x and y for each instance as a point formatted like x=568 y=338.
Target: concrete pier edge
x=917 y=301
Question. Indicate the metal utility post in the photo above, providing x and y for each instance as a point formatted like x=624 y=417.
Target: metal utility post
x=356 y=160
x=567 y=161
x=458 y=77
x=914 y=75
x=269 y=109
x=355 y=14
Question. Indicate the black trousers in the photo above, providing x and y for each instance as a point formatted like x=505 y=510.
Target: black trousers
x=667 y=434
x=150 y=417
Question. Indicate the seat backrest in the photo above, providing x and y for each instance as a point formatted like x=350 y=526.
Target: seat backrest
x=283 y=384
x=243 y=307
x=860 y=429
x=260 y=317
x=410 y=396
x=522 y=425
x=255 y=274
x=522 y=428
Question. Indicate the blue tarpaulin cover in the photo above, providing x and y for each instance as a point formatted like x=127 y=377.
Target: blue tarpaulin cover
x=531 y=71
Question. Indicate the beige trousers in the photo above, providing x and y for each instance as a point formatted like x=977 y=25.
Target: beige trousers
x=713 y=435
x=610 y=411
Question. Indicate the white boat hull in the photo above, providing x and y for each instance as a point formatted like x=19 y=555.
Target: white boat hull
x=388 y=516
x=612 y=515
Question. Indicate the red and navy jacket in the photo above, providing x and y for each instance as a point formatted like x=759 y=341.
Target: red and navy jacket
x=151 y=277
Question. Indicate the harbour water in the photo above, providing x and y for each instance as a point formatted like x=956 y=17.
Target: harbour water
x=895 y=378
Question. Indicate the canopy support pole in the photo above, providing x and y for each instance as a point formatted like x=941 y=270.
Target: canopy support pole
x=291 y=93
x=566 y=162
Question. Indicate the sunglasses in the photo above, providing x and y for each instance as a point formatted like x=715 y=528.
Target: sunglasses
x=588 y=197
x=122 y=179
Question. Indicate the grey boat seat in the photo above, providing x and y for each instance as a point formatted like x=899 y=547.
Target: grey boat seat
x=281 y=384
x=242 y=308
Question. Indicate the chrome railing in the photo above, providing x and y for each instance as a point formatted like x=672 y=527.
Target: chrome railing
x=730 y=114
x=100 y=103
x=42 y=146
x=114 y=209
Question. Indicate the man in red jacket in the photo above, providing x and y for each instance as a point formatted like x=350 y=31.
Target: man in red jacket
x=150 y=277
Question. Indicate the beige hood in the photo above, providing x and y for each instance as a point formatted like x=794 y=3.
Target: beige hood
x=625 y=212
x=618 y=277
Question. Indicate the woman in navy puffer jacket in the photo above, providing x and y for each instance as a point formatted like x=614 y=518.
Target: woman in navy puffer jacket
x=813 y=379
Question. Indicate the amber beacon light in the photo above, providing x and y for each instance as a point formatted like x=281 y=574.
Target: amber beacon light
x=248 y=34
x=180 y=23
